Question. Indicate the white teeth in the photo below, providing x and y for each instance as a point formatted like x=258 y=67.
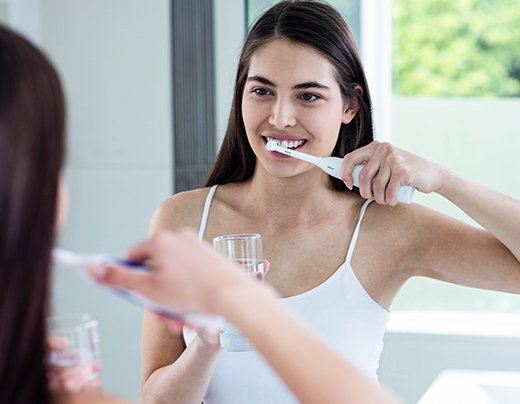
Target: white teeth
x=296 y=143
x=292 y=144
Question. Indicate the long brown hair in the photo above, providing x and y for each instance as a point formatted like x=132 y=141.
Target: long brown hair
x=321 y=27
x=32 y=126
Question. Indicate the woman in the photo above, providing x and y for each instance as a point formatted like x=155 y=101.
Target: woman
x=32 y=129
x=336 y=259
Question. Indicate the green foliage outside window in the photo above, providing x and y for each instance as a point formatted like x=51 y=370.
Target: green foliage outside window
x=463 y=48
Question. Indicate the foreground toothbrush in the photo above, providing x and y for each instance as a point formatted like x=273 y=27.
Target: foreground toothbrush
x=80 y=263
x=332 y=166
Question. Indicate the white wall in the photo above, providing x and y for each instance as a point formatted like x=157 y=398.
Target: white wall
x=114 y=59
x=24 y=16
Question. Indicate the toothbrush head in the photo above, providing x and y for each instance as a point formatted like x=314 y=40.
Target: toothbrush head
x=271 y=145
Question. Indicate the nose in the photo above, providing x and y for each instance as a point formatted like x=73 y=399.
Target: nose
x=282 y=115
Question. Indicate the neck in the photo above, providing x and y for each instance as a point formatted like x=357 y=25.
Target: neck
x=298 y=199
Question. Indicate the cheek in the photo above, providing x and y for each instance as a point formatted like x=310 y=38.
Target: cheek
x=323 y=123
x=252 y=112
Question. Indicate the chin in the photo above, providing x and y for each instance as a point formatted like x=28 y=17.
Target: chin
x=284 y=172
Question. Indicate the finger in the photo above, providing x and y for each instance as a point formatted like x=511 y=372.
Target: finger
x=380 y=183
x=58 y=343
x=366 y=175
x=212 y=337
x=350 y=160
x=120 y=276
x=162 y=242
x=189 y=233
x=142 y=251
x=392 y=190
x=267 y=266
x=174 y=326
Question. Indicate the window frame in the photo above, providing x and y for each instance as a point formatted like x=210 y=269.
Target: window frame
x=376 y=55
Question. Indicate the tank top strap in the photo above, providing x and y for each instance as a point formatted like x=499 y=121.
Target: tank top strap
x=205 y=212
x=356 y=232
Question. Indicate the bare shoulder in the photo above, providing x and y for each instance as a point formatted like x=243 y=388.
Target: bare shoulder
x=391 y=239
x=183 y=209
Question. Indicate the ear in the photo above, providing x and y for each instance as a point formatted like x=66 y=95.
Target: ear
x=352 y=107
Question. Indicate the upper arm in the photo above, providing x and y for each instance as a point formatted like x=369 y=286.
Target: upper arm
x=447 y=249
x=159 y=346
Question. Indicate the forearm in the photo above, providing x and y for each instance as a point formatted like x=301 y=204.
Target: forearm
x=185 y=380
x=313 y=372
x=497 y=213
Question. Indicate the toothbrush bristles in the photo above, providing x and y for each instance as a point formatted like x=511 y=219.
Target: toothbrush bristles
x=271 y=144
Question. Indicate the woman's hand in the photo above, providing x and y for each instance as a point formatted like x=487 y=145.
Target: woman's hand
x=73 y=378
x=210 y=338
x=387 y=168
x=185 y=275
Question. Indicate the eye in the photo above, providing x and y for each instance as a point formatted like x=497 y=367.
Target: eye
x=261 y=92
x=309 y=97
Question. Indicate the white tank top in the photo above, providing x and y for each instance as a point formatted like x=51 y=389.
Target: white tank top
x=339 y=310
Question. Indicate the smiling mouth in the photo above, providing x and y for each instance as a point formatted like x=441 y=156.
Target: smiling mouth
x=290 y=144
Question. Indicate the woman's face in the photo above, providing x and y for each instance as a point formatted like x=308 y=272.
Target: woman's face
x=291 y=94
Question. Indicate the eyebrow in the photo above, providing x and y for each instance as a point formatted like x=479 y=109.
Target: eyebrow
x=307 y=84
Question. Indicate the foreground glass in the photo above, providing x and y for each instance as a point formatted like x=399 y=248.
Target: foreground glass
x=244 y=250
x=73 y=357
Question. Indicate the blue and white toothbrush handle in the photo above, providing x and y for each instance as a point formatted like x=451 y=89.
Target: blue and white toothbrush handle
x=80 y=262
x=332 y=166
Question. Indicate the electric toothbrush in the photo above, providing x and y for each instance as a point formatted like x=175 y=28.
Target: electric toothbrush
x=80 y=262
x=332 y=166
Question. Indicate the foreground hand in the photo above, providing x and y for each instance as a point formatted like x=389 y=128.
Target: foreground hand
x=185 y=275
x=387 y=168
x=73 y=378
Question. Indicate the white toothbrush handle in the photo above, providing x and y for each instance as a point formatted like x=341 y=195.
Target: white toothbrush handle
x=332 y=166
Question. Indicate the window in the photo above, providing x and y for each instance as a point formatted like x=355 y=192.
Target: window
x=456 y=49
x=456 y=79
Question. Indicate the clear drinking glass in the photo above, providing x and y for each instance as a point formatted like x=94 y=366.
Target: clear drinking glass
x=244 y=250
x=74 y=357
